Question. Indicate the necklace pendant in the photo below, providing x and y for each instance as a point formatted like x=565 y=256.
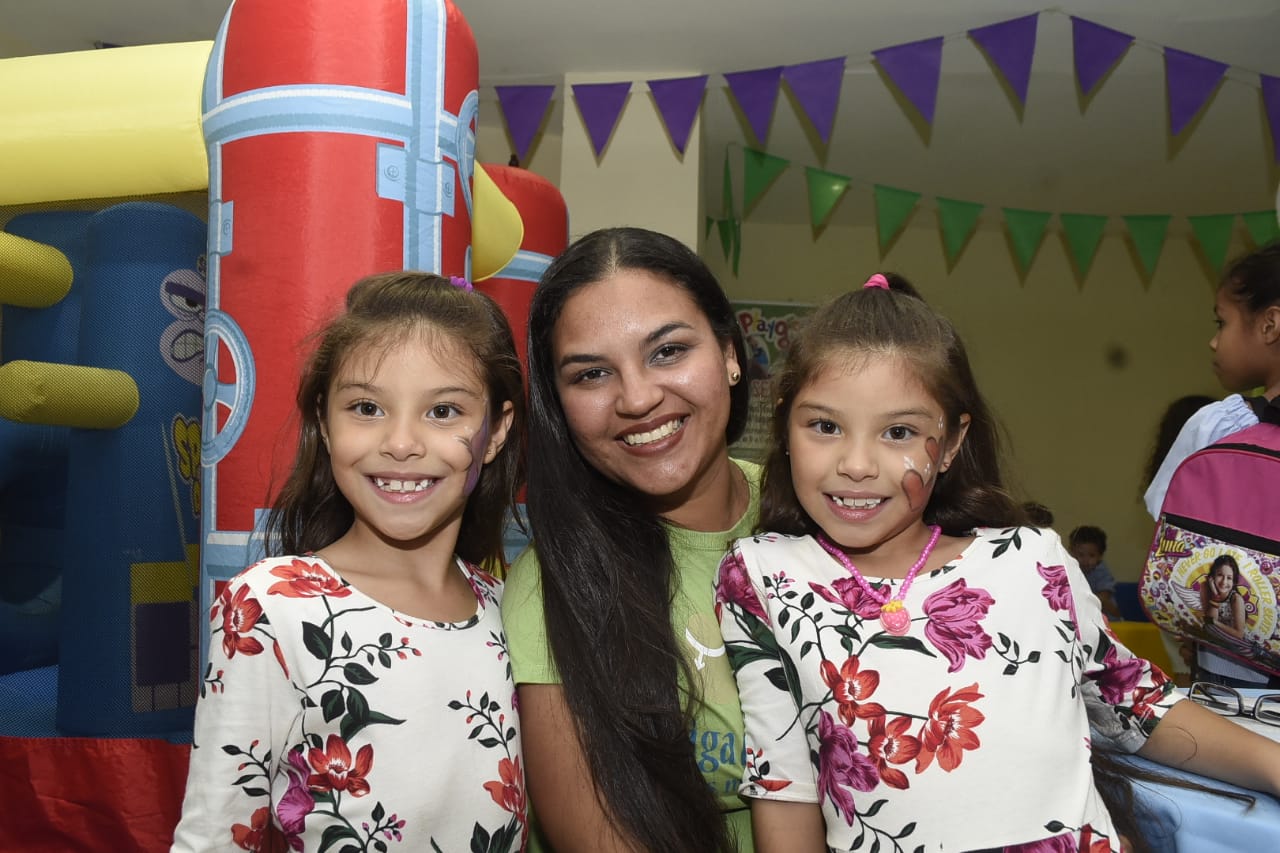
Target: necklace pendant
x=894 y=617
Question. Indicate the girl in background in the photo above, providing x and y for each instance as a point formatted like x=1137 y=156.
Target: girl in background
x=1246 y=356
x=358 y=693
x=902 y=647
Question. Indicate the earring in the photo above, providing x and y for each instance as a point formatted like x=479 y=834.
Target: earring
x=734 y=376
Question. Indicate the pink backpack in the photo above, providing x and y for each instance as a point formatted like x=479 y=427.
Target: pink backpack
x=1221 y=514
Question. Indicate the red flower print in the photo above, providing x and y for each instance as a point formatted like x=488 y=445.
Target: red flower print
x=758 y=768
x=847 y=593
x=334 y=770
x=954 y=613
x=889 y=744
x=306 y=580
x=734 y=587
x=251 y=837
x=850 y=689
x=949 y=730
x=239 y=616
x=509 y=793
x=841 y=766
x=1057 y=590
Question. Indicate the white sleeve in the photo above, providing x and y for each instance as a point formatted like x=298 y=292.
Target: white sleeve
x=1211 y=423
x=778 y=765
x=246 y=707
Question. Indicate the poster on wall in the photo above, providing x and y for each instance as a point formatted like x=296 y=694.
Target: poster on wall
x=767 y=328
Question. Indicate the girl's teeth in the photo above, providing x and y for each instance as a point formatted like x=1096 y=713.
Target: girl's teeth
x=653 y=435
x=858 y=503
x=402 y=485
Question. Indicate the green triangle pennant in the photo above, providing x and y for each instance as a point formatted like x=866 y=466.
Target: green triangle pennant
x=1262 y=225
x=758 y=171
x=1213 y=233
x=1084 y=233
x=958 y=219
x=893 y=206
x=726 y=236
x=1148 y=233
x=710 y=224
x=1026 y=228
x=726 y=203
x=737 y=244
x=825 y=189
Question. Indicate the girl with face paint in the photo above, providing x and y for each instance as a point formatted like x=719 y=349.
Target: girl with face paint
x=914 y=665
x=368 y=647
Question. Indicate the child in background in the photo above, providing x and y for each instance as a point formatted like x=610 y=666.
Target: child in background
x=1246 y=356
x=914 y=667
x=1087 y=544
x=358 y=693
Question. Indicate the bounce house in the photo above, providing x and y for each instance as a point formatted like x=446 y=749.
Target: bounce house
x=148 y=357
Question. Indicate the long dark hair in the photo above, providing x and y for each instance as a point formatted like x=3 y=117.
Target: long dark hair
x=871 y=321
x=607 y=573
x=1254 y=279
x=382 y=311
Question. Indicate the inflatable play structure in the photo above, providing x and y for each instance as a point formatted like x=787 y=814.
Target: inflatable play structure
x=148 y=357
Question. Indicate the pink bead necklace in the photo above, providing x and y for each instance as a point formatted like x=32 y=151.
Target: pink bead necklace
x=893 y=613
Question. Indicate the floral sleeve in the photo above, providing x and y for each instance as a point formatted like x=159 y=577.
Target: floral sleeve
x=1125 y=695
x=778 y=764
x=243 y=715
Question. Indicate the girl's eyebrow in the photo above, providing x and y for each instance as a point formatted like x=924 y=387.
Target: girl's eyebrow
x=901 y=413
x=446 y=390
x=649 y=339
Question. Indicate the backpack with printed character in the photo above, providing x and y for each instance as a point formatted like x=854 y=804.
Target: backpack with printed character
x=1222 y=509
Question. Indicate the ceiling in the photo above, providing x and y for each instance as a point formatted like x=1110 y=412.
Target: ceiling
x=1110 y=153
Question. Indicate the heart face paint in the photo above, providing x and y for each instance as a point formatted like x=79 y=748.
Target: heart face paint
x=917 y=484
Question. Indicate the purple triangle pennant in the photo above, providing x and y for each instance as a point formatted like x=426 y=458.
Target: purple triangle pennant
x=523 y=108
x=1096 y=49
x=601 y=105
x=1011 y=44
x=816 y=86
x=756 y=92
x=1271 y=102
x=678 y=101
x=1190 y=80
x=914 y=68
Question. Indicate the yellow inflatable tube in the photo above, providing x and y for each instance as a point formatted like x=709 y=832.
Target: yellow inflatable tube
x=102 y=123
x=37 y=392
x=32 y=275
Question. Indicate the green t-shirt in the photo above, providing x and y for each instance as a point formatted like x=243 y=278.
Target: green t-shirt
x=718 y=735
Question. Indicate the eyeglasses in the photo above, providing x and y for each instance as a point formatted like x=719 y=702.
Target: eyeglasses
x=1228 y=702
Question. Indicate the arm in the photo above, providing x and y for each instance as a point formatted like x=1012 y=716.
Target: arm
x=239 y=732
x=781 y=827
x=563 y=795
x=1193 y=738
x=1236 y=628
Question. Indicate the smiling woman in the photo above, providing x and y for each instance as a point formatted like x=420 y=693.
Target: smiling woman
x=633 y=732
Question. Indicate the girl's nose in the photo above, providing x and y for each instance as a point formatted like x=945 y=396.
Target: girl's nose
x=638 y=393
x=856 y=460
x=403 y=438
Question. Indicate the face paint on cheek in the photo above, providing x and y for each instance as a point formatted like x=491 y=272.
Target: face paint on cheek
x=476 y=443
x=917 y=485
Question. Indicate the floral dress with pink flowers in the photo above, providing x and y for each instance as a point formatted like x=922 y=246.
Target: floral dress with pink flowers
x=970 y=731
x=329 y=722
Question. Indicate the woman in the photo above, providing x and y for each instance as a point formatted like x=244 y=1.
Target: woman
x=629 y=712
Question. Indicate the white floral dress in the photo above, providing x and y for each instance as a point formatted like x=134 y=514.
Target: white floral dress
x=330 y=719
x=970 y=731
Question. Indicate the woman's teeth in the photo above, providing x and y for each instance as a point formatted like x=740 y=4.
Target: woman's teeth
x=638 y=438
x=402 y=485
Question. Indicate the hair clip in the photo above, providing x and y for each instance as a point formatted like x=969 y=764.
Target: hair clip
x=459 y=281
x=879 y=281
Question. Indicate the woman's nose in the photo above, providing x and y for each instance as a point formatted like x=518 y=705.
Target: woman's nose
x=638 y=393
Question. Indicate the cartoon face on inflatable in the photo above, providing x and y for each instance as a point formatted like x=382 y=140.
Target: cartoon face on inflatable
x=182 y=344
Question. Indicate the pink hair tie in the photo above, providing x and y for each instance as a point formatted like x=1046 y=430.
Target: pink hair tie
x=459 y=281
x=879 y=281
